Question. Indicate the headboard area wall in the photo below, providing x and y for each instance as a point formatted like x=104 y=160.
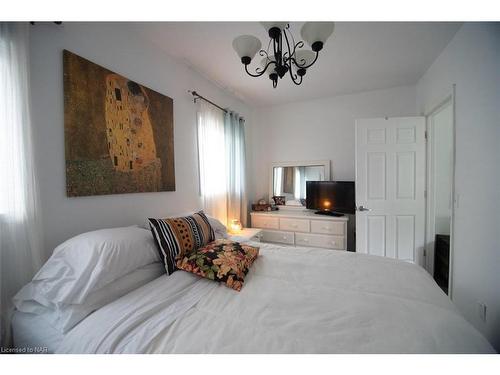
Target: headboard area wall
x=120 y=48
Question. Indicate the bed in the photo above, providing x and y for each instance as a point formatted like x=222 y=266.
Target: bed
x=294 y=300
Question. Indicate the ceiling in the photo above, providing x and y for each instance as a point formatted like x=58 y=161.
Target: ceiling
x=359 y=56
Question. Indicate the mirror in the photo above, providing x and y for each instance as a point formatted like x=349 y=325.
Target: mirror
x=289 y=179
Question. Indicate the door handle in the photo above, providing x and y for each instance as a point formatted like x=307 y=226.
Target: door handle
x=361 y=208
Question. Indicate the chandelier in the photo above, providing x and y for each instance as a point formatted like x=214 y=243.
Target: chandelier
x=285 y=56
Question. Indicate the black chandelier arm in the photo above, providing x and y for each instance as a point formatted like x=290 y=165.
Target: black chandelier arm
x=306 y=66
x=264 y=54
x=299 y=44
x=294 y=76
x=262 y=72
x=297 y=82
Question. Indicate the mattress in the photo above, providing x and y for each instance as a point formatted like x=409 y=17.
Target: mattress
x=294 y=300
x=32 y=334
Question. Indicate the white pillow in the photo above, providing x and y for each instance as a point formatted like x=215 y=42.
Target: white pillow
x=88 y=262
x=219 y=228
x=65 y=317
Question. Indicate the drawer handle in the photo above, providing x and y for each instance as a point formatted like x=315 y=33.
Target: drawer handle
x=334 y=243
x=294 y=225
x=305 y=240
x=326 y=228
x=284 y=237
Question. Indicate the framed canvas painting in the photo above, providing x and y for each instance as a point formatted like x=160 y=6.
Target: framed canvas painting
x=118 y=133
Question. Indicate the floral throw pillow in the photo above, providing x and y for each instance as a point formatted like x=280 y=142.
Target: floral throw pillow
x=221 y=260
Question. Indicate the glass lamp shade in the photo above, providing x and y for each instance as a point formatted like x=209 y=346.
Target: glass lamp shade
x=246 y=46
x=313 y=32
x=270 y=25
x=304 y=57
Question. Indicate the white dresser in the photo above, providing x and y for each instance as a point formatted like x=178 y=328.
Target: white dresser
x=301 y=228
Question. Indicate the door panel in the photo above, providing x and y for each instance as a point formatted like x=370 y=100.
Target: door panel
x=376 y=234
x=376 y=175
x=405 y=175
x=390 y=180
x=405 y=236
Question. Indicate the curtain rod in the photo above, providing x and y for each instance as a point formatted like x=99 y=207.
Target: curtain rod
x=198 y=96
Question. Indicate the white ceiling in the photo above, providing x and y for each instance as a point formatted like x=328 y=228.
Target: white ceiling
x=360 y=56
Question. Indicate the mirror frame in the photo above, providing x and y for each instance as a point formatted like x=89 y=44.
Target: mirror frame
x=308 y=163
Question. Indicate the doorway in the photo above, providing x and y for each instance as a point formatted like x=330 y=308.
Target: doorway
x=440 y=192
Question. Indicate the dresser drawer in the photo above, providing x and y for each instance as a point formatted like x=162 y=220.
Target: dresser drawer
x=295 y=225
x=328 y=227
x=320 y=240
x=265 y=222
x=277 y=236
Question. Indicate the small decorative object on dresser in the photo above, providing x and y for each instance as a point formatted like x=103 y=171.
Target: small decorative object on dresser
x=261 y=207
x=279 y=200
x=302 y=228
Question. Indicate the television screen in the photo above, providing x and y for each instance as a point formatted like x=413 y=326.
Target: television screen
x=333 y=196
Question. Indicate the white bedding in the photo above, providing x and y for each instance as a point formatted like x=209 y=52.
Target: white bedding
x=293 y=301
x=33 y=332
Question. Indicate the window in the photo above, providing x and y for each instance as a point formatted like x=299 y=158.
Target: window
x=21 y=246
x=212 y=161
x=221 y=152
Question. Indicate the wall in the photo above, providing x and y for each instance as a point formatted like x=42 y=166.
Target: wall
x=472 y=62
x=321 y=129
x=118 y=48
x=318 y=130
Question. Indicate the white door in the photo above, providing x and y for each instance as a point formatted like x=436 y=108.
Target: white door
x=390 y=183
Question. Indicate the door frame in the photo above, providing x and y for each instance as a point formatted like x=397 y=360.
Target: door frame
x=429 y=203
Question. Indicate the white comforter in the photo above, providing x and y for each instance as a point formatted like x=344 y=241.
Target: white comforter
x=293 y=301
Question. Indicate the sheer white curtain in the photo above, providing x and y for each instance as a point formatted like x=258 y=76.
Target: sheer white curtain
x=235 y=167
x=221 y=149
x=212 y=160
x=20 y=245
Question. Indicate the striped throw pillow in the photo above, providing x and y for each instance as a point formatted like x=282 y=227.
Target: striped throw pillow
x=178 y=236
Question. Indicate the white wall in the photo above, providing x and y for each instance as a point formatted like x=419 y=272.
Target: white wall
x=115 y=47
x=318 y=130
x=472 y=62
x=321 y=129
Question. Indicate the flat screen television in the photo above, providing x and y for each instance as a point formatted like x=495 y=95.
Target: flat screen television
x=331 y=197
